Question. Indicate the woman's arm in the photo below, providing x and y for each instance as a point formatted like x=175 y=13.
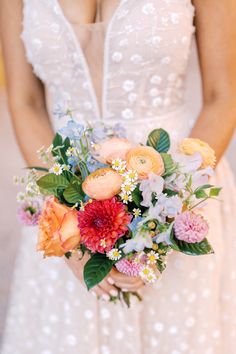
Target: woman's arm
x=25 y=92
x=216 y=37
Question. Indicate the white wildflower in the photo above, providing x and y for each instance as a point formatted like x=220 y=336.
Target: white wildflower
x=57 y=169
x=131 y=176
x=114 y=254
x=119 y=165
x=20 y=197
x=147 y=274
x=126 y=198
x=136 y=212
x=152 y=257
x=71 y=151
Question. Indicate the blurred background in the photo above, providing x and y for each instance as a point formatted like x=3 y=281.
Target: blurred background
x=11 y=165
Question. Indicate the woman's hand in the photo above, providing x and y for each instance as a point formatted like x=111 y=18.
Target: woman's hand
x=108 y=287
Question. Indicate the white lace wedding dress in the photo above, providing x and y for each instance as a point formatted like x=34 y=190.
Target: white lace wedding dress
x=139 y=69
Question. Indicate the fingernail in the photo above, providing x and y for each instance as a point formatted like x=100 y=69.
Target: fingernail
x=124 y=290
x=105 y=297
x=110 y=281
x=114 y=292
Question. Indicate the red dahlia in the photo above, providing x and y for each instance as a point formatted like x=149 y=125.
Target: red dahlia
x=102 y=223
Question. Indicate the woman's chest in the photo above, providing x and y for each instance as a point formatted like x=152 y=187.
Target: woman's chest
x=139 y=35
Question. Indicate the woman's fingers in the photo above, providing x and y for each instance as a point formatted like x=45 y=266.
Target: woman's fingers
x=108 y=288
x=126 y=282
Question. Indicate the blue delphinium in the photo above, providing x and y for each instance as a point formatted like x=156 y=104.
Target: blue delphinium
x=93 y=164
x=73 y=130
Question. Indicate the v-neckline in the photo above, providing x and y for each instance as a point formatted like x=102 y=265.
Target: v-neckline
x=99 y=112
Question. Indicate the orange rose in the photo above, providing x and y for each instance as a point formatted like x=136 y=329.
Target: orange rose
x=145 y=159
x=102 y=184
x=112 y=149
x=58 y=229
x=190 y=146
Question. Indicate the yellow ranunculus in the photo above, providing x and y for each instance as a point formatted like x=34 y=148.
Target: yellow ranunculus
x=190 y=146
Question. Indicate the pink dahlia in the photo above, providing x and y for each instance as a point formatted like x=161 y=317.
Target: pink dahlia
x=29 y=213
x=129 y=267
x=102 y=223
x=190 y=227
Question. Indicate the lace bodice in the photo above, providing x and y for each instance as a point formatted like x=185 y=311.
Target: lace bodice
x=143 y=53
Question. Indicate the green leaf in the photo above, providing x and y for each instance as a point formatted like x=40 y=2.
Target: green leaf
x=96 y=269
x=200 y=193
x=83 y=170
x=51 y=183
x=169 y=192
x=159 y=139
x=41 y=169
x=191 y=249
x=214 y=192
x=168 y=163
x=205 y=186
x=57 y=141
x=60 y=147
x=137 y=196
x=74 y=193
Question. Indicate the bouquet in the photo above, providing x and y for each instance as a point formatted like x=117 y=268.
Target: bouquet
x=128 y=205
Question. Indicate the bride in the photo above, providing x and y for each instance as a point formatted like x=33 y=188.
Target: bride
x=140 y=63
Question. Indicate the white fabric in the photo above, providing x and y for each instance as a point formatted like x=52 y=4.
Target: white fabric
x=140 y=69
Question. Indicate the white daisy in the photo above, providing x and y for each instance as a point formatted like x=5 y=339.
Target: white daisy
x=131 y=175
x=147 y=274
x=152 y=257
x=66 y=167
x=119 y=165
x=71 y=151
x=136 y=212
x=57 y=169
x=127 y=187
x=114 y=254
x=126 y=198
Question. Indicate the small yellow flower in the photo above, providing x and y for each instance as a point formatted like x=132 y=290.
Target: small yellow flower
x=131 y=176
x=136 y=212
x=119 y=165
x=57 y=169
x=103 y=243
x=71 y=151
x=190 y=146
x=66 y=168
x=155 y=246
x=114 y=254
x=152 y=257
x=126 y=198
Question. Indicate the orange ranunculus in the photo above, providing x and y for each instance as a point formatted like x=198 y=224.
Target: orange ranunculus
x=144 y=160
x=102 y=184
x=190 y=146
x=112 y=149
x=58 y=229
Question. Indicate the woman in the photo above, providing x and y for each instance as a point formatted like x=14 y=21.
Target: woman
x=133 y=62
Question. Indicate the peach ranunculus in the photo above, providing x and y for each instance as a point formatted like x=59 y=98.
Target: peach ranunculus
x=58 y=229
x=112 y=149
x=190 y=146
x=102 y=184
x=144 y=160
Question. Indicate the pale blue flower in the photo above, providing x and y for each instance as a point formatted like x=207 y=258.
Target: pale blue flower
x=154 y=184
x=138 y=243
x=72 y=130
x=133 y=225
x=188 y=163
x=164 y=236
x=93 y=164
